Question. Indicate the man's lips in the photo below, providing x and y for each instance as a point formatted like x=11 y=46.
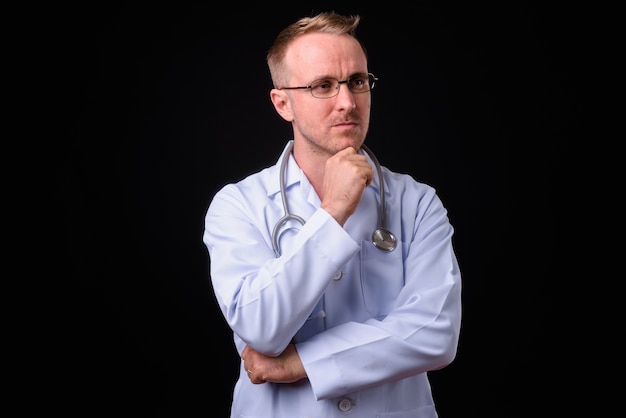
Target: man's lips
x=345 y=124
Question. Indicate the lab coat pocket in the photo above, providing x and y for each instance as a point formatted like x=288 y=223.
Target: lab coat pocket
x=382 y=278
x=424 y=411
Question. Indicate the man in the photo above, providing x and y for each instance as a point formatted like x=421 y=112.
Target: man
x=329 y=320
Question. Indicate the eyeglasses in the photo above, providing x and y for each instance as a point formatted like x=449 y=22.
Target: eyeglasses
x=325 y=88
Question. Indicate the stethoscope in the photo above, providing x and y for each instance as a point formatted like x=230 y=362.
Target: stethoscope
x=382 y=238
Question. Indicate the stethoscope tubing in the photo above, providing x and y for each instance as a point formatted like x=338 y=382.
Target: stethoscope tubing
x=382 y=238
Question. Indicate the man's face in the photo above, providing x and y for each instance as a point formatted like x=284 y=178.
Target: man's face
x=328 y=124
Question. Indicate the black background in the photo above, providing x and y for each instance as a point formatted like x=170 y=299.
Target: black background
x=167 y=103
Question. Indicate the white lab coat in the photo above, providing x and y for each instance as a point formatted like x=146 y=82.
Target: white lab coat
x=368 y=324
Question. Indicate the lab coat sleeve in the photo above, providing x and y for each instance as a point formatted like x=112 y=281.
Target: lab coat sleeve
x=420 y=332
x=254 y=289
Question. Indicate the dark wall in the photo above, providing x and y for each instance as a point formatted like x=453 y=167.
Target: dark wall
x=169 y=103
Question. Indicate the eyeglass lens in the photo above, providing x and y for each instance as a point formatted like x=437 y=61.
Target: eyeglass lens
x=329 y=87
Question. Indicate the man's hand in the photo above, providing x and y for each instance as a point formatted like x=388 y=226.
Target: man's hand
x=347 y=174
x=286 y=368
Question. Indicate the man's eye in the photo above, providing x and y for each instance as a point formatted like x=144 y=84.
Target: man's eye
x=323 y=85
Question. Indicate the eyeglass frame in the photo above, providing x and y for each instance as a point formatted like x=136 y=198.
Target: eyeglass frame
x=372 y=79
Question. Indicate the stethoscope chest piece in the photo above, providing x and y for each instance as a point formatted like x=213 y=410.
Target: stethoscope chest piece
x=383 y=239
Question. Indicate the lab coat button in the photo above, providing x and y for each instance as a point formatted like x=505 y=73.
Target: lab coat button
x=344 y=405
x=338 y=275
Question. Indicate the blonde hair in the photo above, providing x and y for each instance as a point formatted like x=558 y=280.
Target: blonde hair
x=325 y=22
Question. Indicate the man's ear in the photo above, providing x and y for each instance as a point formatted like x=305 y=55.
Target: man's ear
x=280 y=100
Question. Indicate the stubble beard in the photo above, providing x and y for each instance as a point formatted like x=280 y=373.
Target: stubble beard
x=331 y=144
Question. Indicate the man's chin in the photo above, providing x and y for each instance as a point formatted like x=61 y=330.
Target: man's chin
x=349 y=142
